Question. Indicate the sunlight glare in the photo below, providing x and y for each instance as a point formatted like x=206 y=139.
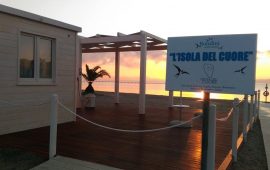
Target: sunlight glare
x=199 y=95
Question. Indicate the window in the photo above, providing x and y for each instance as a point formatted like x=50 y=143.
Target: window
x=45 y=58
x=36 y=58
x=27 y=57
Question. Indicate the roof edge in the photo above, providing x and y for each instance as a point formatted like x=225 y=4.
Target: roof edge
x=38 y=18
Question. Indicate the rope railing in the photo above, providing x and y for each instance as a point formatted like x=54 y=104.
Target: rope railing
x=211 y=126
x=223 y=119
x=127 y=130
x=226 y=117
x=241 y=102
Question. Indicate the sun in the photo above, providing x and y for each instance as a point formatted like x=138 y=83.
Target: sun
x=199 y=95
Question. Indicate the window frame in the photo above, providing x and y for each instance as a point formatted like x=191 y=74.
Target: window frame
x=37 y=80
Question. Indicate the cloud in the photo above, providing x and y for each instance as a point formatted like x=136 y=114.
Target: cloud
x=263 y=54
x=267 y=54
x=130 y=59
x=98 y=58
x=157 y=56
x=127 y=59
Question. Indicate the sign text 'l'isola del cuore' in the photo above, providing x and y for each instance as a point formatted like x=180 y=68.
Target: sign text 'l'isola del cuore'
x=220 y=63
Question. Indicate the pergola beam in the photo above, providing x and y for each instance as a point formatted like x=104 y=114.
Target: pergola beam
x=120 y=34
x=154 y=36
x=123 y=49
x=96 y=40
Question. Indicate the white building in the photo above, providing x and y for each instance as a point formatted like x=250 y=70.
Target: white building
x=38 y=57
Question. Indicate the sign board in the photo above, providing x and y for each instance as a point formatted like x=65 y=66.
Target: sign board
x=218 y=63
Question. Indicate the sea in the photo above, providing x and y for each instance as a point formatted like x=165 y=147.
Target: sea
x=158 y=88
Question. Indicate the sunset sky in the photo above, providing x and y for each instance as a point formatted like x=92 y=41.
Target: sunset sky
x=162 y=18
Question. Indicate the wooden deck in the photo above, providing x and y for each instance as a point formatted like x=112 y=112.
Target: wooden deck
x=178 y=148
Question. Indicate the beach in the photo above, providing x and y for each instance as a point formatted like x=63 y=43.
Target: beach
x=158 y=88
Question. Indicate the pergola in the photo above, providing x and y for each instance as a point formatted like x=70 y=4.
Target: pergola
x=141 y=41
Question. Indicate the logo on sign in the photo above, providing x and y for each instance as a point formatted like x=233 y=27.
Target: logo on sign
x=241 y=70
x=208 y=70
x=179 y=71
x=209 y=43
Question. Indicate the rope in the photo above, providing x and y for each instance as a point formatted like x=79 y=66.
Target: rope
x=242 y=101
x=126 y=130
x=230 y=112
x=225 y=118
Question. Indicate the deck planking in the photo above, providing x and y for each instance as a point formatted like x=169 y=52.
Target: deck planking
x=177 y=148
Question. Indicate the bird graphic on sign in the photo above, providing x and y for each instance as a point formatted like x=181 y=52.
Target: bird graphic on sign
x=242 y=70
x=180 y=71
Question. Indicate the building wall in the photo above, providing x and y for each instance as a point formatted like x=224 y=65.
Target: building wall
x=23 y=111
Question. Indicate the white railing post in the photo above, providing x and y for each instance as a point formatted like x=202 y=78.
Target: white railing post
x=117 y=76
x=170 y=98
x=255 y=106
x=142 y=73
x=245 y=118
x=53 y=126
x=211 y=138
x=251 y=112
x=235 y=128
x=259 y=99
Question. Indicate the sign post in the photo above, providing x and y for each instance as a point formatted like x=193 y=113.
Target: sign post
x=212 y=64
x=206 y=104
x=266 y=93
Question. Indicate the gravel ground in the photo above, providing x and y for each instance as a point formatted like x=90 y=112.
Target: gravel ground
x=251 y=155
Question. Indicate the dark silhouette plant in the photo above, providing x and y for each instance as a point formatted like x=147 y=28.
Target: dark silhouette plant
x=91 y=75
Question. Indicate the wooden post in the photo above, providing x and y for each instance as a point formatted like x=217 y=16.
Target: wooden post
x=259 y=100
x=251 y=112
x=245 y=118
x=53 y=126
x=266 y=93
x=235 y=128
x=181 y=97
x=255 y=106
x=117 y=76
x=211 y=138
x=142 y=74
x=204 y=154
x=170 y=98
